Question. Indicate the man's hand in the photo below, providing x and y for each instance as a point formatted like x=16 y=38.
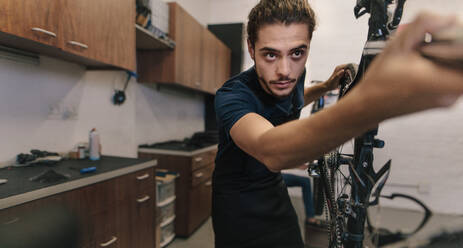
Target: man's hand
x=333 y=82
x=314 y=92
x=401 y=81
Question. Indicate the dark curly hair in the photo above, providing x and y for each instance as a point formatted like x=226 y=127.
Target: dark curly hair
x=279 y=11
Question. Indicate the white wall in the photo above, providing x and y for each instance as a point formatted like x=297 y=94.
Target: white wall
x=425 y=148
x=27 y=92
x=167 y=114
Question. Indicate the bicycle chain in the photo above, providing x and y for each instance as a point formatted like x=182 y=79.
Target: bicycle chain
x=330 y=164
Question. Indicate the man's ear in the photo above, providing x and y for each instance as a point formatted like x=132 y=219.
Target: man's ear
x=251 y=50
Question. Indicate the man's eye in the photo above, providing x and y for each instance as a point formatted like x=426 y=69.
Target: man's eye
x=270 y=56
x=298 y=54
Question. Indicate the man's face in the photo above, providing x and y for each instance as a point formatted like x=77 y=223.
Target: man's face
x=280 y=54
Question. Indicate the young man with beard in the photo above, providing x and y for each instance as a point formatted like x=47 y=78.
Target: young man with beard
x=258 y=111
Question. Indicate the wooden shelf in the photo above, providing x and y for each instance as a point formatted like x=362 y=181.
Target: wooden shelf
x=149 y=41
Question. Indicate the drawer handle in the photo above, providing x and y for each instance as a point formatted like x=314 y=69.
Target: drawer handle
x=75 y=43
x=199 y=175
x=208 y=183
x=44 y=31
x=198 y=159
x=143 y=199
x=113 y=239
x=11 y=221
x=143 y=177
x=198 y=84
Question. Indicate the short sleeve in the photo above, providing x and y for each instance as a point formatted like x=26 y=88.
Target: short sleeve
x=233 y=101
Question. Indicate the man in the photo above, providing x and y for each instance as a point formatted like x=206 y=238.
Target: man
x=257 y=114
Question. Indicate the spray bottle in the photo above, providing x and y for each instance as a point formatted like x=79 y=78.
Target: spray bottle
x=94 y=145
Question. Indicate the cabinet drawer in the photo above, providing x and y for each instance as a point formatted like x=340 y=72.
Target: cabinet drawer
x=143 y=179
x=202 y=159
x=135 y=184
x=201 y=175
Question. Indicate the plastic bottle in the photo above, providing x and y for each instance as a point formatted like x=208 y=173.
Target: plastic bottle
x=94 y=145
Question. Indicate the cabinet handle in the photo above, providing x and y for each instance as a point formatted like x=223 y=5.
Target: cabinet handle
x=44 y=31
x=75 y=43
x=143 y=177
x=198 y=159
x=199 y=175
x=11 y=221
x=143 y=199
x=113 y=239
x=208 y=183
x=198 y=84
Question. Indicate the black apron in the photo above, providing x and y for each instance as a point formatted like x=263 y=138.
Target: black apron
x=261 y=218
x=251 y=207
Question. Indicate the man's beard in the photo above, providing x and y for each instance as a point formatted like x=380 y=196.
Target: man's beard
x=267 y=87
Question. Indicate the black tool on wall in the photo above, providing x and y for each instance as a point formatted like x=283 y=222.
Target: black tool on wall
x=119 y=96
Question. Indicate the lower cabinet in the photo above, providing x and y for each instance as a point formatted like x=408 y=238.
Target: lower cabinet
x=119 y=212
x=193 y=187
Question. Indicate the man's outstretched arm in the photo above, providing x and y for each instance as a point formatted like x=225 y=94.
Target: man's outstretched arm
x=400 y=81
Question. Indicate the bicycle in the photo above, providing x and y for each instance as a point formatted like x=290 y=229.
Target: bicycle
x=349 y=182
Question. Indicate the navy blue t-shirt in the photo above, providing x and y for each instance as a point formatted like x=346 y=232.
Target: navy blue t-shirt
x=251 y=206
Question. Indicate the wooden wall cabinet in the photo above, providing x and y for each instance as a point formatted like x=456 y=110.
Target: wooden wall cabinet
x=109 y=35
x=73 y=30
x=199 y=61
x=193 y=187
x=215 y=63
x=37 y=20
x=118 y=212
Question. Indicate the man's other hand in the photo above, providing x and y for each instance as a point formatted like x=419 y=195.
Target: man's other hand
x=335 y=79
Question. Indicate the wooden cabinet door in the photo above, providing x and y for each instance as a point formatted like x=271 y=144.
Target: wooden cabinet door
x=36 y=20
x=143 y=218
x=78 y=18
x=206 y=198
x=115 y=32
x=188 y=39
x=223 y=65
x=100 y=30
x=208 y=61
x=200 y=205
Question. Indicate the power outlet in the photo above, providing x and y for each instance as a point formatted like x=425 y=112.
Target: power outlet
x=60 y=111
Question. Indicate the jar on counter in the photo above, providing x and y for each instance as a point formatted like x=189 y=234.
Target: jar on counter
x=81 y=152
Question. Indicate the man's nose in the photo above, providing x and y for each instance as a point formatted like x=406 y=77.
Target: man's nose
x=283 y=68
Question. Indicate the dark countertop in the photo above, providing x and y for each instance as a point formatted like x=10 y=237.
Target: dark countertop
x=20 y=189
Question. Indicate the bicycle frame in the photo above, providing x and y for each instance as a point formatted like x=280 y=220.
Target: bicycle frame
x=363 y=175
x=379 y=30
